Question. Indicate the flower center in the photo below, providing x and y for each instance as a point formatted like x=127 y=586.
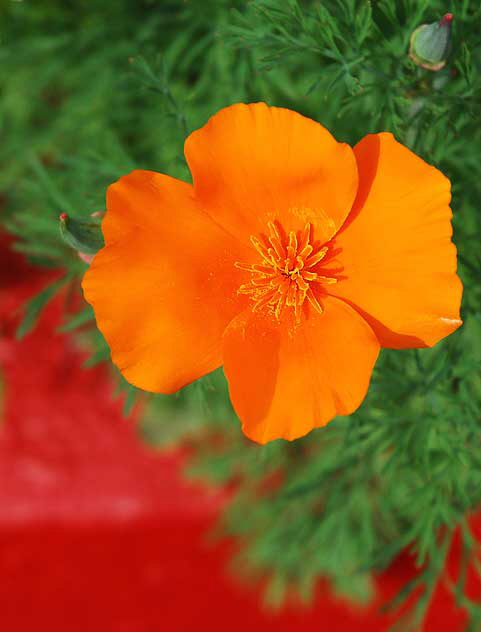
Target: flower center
x=286 y=273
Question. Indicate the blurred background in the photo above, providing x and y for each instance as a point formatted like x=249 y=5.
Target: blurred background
x=125 y=511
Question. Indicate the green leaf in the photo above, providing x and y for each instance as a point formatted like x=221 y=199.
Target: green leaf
x=34 y=306
x=131 y=395
x=364 y=22
x=79 y=319
x=101 y=355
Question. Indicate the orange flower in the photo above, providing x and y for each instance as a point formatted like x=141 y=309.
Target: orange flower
x=291 y=260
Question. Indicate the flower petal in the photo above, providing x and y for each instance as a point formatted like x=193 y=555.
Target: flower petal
x=399 y=264
x=284 y=381
x=164 y=287
x=252 y=164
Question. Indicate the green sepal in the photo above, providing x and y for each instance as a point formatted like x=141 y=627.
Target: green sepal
x=84 y=236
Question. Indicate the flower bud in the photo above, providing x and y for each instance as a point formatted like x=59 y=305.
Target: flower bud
x=430 y=43
x=83 y=236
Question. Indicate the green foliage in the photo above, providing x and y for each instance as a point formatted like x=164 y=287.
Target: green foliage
x=95 y=90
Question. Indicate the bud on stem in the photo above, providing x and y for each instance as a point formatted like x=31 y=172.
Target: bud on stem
x=83 y=236
x=430 y=43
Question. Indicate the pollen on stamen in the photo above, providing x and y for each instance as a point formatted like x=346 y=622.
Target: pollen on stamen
x=285 y=272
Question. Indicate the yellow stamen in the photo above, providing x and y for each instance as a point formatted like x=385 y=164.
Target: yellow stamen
x=284 y=276
x=313 y=301
x=316 y=257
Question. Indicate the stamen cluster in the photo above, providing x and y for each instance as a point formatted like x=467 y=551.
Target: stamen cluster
x=284 y=277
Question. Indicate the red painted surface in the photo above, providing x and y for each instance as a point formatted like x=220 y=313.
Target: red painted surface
x=99 y=533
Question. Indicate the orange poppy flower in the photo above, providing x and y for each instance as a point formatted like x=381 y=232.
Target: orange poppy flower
x=291 y=260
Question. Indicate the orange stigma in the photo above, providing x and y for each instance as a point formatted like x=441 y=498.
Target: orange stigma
x=284 y=277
